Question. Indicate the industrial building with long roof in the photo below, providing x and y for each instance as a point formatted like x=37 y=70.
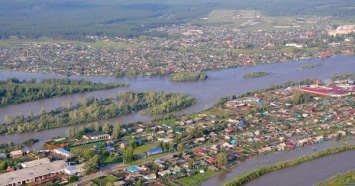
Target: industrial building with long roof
x=33 y=175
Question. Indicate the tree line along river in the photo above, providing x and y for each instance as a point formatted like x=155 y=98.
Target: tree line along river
x=220 y=83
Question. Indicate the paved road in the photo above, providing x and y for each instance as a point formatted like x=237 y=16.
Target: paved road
x=103 y=171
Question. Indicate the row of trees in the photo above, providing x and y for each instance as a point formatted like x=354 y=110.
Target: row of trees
x=93 y=109
x=157 y=103
x=347 y=178
x=276 y=87
x=115 y=130
x=13 y=91
x=246 y=177
x=343 y=76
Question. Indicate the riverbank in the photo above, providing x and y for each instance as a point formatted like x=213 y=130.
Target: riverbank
x=340 y=179
x=246 y=177
x=273 y=158
x=228 y=81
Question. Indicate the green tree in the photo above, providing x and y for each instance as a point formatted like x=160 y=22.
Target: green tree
x=67 y=104
x=139 y=182
x=116 y=132
x=42 y=112
x=92 y=165
x=190 y=164
x=106 y=128
x=222 y=159
x=71 y=132
x=128 y=154
x=96 y=126
x=180 y=149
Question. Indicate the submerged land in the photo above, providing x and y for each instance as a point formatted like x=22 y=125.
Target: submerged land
x=180 y=40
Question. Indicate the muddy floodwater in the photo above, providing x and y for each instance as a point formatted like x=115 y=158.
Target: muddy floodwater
x=220 y=83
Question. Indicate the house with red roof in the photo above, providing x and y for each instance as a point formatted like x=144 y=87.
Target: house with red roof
x=199 y=152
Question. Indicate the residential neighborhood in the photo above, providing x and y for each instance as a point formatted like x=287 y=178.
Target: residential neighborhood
x=190 y=149
x=188 y=47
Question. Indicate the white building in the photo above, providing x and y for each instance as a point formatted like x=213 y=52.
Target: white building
x=76 y=170
x=36 y=175
x=33 y=163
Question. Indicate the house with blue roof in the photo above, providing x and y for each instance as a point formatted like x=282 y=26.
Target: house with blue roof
x=154 y=151
x=110 y=148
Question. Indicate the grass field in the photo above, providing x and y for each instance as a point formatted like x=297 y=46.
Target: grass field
x=144 y=148
x=197 y=178
x=105 y=180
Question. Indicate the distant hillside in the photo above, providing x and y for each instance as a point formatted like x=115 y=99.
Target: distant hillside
x=75 y=18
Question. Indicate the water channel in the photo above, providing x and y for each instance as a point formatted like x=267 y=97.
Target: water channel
x=220 y=83
x=300 y=175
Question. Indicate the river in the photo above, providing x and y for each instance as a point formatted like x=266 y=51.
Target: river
x=220 y=83
x=301 y=171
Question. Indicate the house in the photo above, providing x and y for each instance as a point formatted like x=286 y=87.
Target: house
x=16 y=154
x=212 y=160
x=232 y=156
x=227 y=145
x=280 y=147
x=215 y=148
x=110 y=148
x=200 y=140
x=33 y=163
x=2 y=155
x=37 y=175
x=318 y=138
x=77 y=170
x=126 y=143
x=166 y=140
x=152 y=176
x=199 y=152
x=161 y=132
x=154 y=151
x=264 y=149
x=96 y=136
x=140 y=130
x=213 y=168
x=63 y=152
x=119 y=183
x=175 y=170
x=164 y=172
x=233 y=141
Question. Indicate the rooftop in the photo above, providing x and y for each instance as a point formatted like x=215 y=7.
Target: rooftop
x=155 y=149
x=24 y=174
x=35 y=162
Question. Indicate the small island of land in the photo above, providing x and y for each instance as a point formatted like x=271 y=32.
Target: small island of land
x=188 y=76
x=310 y=66
x=13 y=91
x=255 y=74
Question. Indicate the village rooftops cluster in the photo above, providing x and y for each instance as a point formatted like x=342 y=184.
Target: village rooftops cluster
x=188 y=48
x=201 y=144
